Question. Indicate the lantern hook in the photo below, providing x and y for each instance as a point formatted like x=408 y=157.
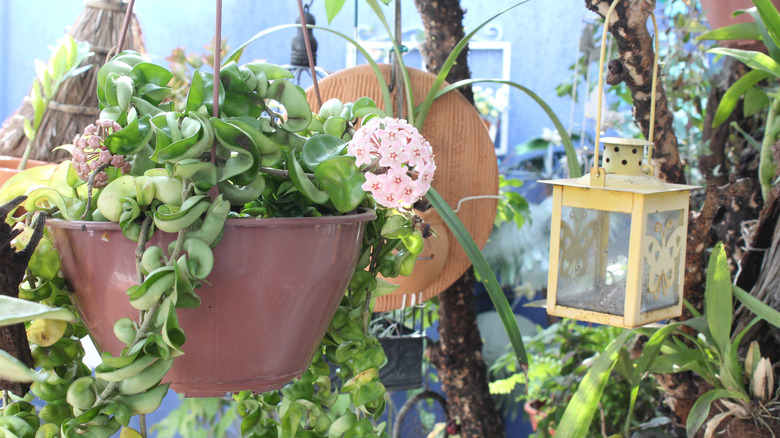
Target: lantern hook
x=647 y=168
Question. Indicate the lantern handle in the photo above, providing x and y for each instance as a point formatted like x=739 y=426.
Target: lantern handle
x=596 y=169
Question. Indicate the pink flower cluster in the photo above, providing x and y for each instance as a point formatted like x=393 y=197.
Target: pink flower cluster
x=89 y=152
x=399 y=161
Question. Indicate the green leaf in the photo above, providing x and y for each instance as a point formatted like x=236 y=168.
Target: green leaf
x=13 y=370
x=295 y=103
x=756 y=306
x=146 y=72
x=717 y=298
x=319 y=148
x=303 y=184
x=732 y=95
x=755 y=101
x=381 y=81
x=332 y=8
x=341 y=178
x=701 y=409
x=740 y=31
x=770 y=19
x=484 y=271
x=579 y=412
x=650 y=352
x=754 y=60
x=15 y=310
x=399 y=57
x=132 y=137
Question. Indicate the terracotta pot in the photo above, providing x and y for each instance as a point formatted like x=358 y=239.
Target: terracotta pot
x=533 y=409
x=427 y=269
x=275 y=286
x=9 y=167
x=718 y=13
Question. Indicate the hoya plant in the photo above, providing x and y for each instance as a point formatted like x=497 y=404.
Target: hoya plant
x=252 y=150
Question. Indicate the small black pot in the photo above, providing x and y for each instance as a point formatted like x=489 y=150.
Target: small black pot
x=404 y=362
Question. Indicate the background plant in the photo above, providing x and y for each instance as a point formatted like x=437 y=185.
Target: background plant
x=561 y=355
x=133 y=92
x=766 y=29
x=64 y=63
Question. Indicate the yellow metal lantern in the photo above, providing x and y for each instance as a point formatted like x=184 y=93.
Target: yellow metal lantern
x=617 y=245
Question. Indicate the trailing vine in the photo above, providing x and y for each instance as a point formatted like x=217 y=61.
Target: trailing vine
x=145 y=165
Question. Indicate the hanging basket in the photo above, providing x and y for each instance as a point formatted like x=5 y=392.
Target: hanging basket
x=466 y=166
x=275 y=286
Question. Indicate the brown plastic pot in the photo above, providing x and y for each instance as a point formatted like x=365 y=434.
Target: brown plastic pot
x=535 y=414
x=275 y=286
x=718 y=13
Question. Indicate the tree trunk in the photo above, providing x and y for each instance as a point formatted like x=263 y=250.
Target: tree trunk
x=13 y=338
x=634 y=66
x=458 y=355
x=458 y=359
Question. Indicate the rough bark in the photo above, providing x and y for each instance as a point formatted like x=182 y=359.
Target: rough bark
x=763 y=257
x=458 y=355
x=634 y=66
x=458 y=359
x=443 y=24
x=13 y=338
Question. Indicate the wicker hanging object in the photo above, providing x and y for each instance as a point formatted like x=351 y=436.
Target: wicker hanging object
x=75 y=103
x=465 y=166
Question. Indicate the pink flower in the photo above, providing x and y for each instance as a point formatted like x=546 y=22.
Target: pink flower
x=398 y=161
x=89 y=152
x=392 y=154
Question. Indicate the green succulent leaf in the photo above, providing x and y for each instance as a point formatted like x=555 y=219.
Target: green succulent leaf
x=303 y=183
x=319 y=148
x=294 y=100
x=132 y=138
x=341 y=178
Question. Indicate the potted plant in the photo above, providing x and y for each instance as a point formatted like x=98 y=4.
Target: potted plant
x=273 y=158
x=143 y=170
x=561 y=355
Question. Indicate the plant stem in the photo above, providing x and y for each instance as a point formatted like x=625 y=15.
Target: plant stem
x=373 y=269
x=139 y=250
x=281 y=172
x=90 y=184
x=142 y=425
x=25 y=155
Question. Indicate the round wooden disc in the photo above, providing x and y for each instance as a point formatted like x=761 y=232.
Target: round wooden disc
x=465 y=157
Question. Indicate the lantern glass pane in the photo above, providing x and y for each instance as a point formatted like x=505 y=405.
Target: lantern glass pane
x=593 y=260
x=662 y=249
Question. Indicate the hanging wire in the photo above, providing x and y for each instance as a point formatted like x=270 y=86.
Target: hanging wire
x=215 y=90
x=122 y=33
x=596 y=169
x=310 y=54
x=125 y=25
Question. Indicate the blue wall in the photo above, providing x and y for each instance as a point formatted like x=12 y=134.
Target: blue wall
x=543 y=34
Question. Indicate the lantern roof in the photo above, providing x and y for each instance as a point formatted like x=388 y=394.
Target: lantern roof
x=642 y=184
x=623 y=141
